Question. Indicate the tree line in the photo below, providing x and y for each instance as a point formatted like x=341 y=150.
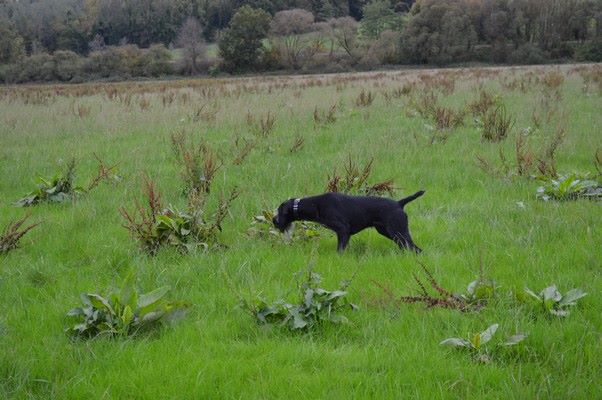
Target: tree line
x=82 y=39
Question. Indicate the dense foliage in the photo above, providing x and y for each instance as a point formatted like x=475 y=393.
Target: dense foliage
x=71 y=40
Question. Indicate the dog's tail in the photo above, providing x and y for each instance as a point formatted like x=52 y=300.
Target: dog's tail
x=413 y=197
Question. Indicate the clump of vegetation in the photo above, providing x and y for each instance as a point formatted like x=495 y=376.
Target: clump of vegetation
x=477 y=343
x=243 y=148
x=483 y=104
x=315 y=306
x=56 y=190
x=569 y=187
x=354 y=180
x=325 y=117
x=551 y=301
x=263 y=227
x=447 y=118
x=9 y=240
x=155 y=226
x=62 y=188
x=497 y=123
x=264 y=127
x=124 y=312
x=547 y=161
x=199 y=163
x=479 y=292
x=298 y=143
x=525 y=158
x=365 y=98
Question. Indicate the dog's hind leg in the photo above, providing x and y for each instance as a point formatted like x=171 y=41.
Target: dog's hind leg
x=397 y=230
x=343 y=240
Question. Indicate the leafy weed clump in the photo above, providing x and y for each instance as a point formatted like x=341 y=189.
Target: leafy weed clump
x=123 y=313
x=477 y=344
x=9 y=240
x=551 y=301
x=56 y=190
x=155 y=226
x=262 y=227
x=321 y=117
x=483 y=104
x=315 y=306
x=354 y=181
x=199 y=164
x=497 y=123
x=479 y=292
x=62 y=188
x=365 y=98
x=569 y=187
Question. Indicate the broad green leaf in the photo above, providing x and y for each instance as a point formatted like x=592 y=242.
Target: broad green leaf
x=476 y=341
x=153 y=297
x=488 y=333
x=532 y=295
x=127 y=315
x=551 y=293
x=127 y=290
x=515 y=339
x=100 y=302
x=336 y=294
x=298 y=321
x=153 y=316
x=74 y=312
x=458 y=342
x=571 y=297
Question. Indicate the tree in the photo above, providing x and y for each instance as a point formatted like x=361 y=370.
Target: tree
x=343 y=32
x=11 y=45
x=287 y=28
x=439 y=32
x=190 y=40
x=379 y=17
x=241 y=43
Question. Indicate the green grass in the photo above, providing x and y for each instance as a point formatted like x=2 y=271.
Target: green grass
x=218 y=351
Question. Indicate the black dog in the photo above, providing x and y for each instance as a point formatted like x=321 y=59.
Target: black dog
x=347 y=215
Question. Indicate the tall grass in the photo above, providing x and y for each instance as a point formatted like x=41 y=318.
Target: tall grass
x=220 y=352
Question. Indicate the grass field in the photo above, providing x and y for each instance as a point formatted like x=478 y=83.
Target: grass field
x=388 y=350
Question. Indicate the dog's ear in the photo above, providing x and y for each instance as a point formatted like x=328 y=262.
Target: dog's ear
x=286 y=208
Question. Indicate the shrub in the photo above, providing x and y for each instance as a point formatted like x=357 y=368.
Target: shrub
x=68 y=65
x=156 y=61
x=37 y=67
x=591 y=51
x=384 y=50
x=9 y=239
x=315 y=306
x=528 y=53
x=124 y=312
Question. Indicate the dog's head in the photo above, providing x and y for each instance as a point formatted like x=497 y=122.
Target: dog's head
x=283 y=219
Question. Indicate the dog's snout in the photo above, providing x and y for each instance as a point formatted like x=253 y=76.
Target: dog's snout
x=275 y=220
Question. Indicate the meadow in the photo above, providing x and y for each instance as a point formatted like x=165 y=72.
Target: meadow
x=283 y=137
